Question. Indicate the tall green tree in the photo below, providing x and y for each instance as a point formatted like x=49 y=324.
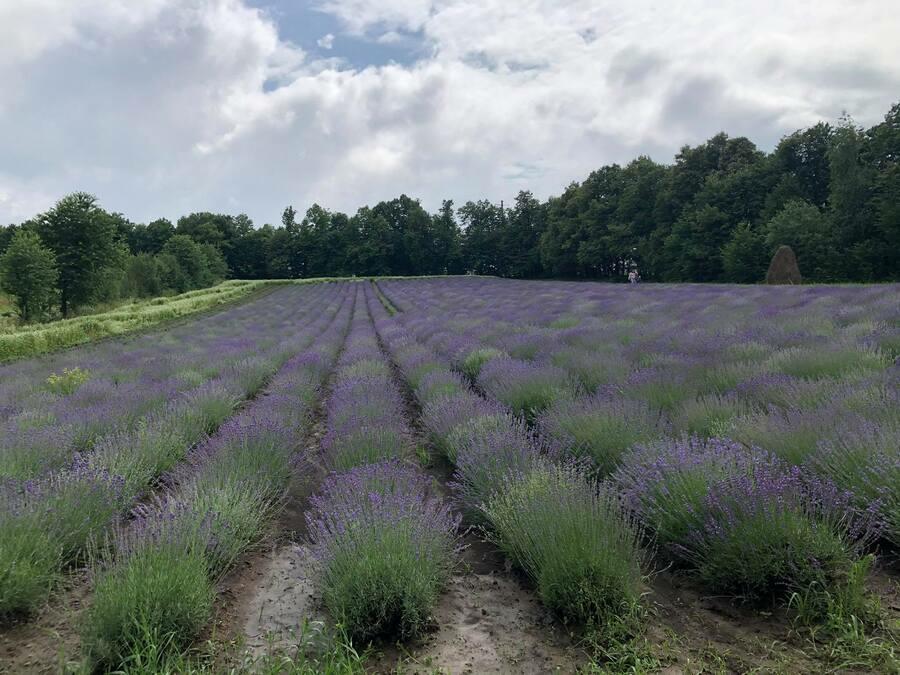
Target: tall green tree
x=745 y=256
x=809 y=232
x=84 y=239
x=483 y=224
x=520 y=238
x=28 y=274
x=186 y=264
x=445 y=237
x=850 y=188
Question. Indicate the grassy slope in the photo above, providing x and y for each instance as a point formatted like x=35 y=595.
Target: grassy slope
x=30 y=340
x=18 y=342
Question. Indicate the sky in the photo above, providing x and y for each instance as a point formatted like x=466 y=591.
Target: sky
x=164 y=107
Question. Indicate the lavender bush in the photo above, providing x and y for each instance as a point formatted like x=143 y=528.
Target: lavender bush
x=30 y=559
x=384 y=548
x=746 y=522
x=865 y=461
x=573 y=539
x=488 y=451
x=526 y=388
x=601 y=428
x=159 y=590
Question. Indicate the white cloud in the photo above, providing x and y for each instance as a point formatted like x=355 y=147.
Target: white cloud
x=166 y=106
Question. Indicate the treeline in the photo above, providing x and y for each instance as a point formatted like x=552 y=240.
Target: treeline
x=76 y=255
x=831 y=192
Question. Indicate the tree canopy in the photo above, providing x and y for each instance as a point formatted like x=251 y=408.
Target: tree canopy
x=717 y=213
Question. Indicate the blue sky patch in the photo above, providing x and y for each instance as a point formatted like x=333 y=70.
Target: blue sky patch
x=309 y=28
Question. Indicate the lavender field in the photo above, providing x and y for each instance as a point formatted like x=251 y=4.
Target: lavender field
x=463 y=474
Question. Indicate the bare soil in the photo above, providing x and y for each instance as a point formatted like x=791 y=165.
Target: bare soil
x=45 y=643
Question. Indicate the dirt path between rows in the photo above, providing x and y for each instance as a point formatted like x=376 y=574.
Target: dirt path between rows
x=267 y=598
x=48 y=641
x=488 y=619
x=271 y=595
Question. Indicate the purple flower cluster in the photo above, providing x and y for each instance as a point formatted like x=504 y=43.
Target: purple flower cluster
x=85 y=496
x=384 y=545
x=743 y=518
x=380 y=500
x=527 y=388
x=366 y=420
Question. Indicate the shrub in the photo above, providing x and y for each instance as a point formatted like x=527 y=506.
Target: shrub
x=248 y=451
x=600 y=427
x=142 y=277
x=525 y=387
x=791 y=434
x=184 y=264
x=663 y=388
x=368 y=445
x=384 y=549
x=443 y=415
x=574 y=540
x=710 y=416
x=783 y=391
x=475 y=360
x=815 y=362
x=743 y=520
x=208 y=407
x=156 y=594
x=487 y=451
x=29 y=561
x=28 y=274
x=249 y=375
x=139 y=456
x=80 y=503
x=863 y=459
x=68 y=382
x=590 y=368
x=157 y=579
x=439 y=384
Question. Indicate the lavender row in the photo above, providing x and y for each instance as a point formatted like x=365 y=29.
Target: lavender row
x=803 y=373
x=157 y=577
x=383 y=544
x=365 y=414
x=718 y=506
x=46 y=524
x=552 y=520
x=54 y=407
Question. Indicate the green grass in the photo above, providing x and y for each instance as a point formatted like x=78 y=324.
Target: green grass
x=313 y=649
x=29 y=564
x=476 y=359
x=156 y=601
x=577 y=544
x=21 y=341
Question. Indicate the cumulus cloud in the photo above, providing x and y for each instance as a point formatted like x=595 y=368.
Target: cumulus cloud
x=166 y=106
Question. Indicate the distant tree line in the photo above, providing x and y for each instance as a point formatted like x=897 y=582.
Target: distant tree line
x=830 y=192
x=77 y=255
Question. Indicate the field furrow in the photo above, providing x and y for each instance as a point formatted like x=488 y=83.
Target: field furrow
x=463 y=475
x=650 y=403
x=103 y=515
